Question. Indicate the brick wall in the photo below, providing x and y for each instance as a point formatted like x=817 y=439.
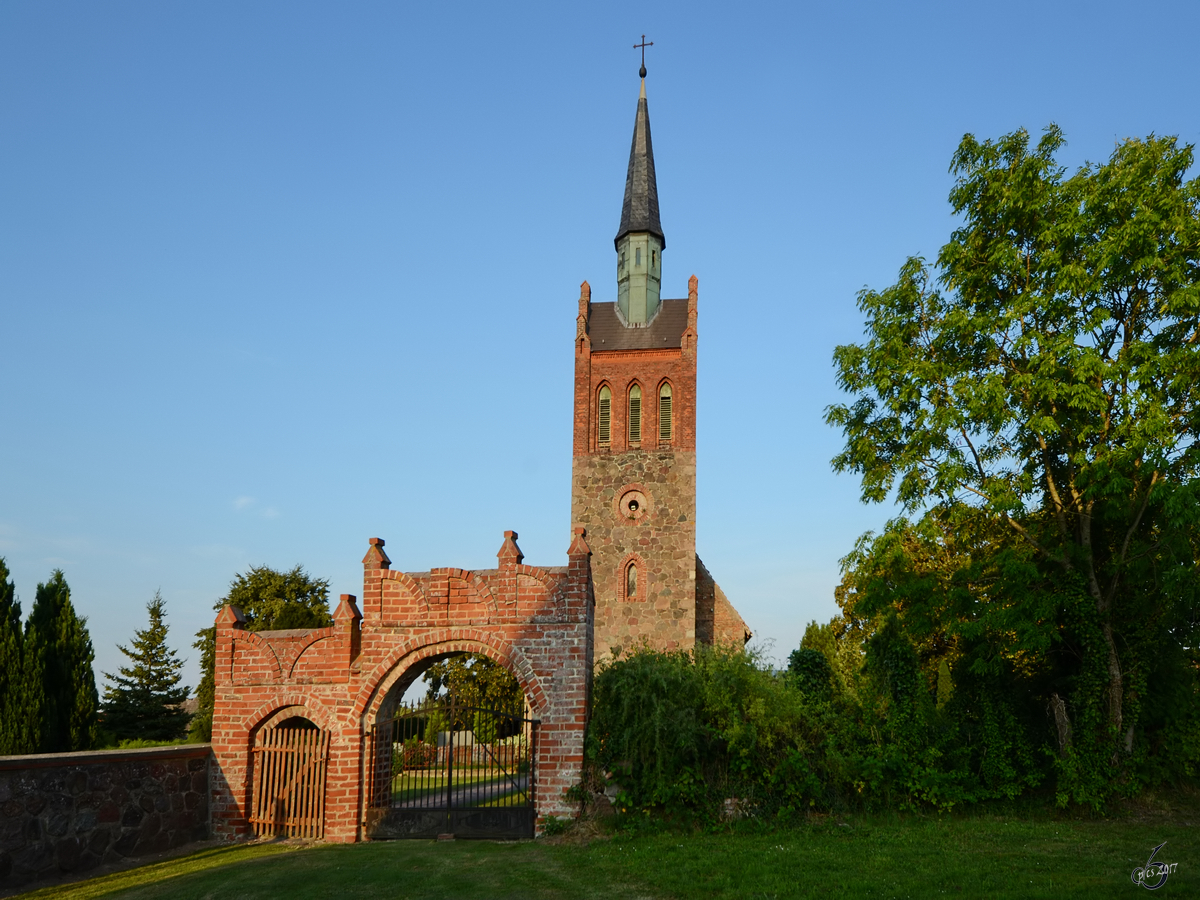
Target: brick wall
x=69 y=812
x=536 y=621
x=620 y=370
x=717 y=622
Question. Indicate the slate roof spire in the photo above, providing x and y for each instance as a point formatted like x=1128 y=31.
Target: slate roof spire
x=639 y=211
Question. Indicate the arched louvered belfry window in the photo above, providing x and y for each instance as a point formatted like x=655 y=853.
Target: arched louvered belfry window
x=604 y=419
x=631 y=581
x=635 y=414
x=664 y=413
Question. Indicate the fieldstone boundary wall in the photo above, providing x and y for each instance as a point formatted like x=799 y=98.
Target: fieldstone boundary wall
x=63 y=813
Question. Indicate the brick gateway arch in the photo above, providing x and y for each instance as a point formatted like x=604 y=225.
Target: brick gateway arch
x=294 y=710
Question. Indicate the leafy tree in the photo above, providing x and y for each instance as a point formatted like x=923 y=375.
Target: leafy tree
x=270 y=600
x=483 y=726
x=1036 y=391
x=436 y=722
x=59 y=656
x=201 y=727
x=145 y=701
x=475 y=681
x=842 y=651
x=811 y=673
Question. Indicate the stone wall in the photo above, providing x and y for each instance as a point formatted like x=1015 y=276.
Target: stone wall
x=70 y=812
x=660 y=539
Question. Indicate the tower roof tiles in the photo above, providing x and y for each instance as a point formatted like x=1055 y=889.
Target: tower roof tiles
x=663 y=332
x=639 y=211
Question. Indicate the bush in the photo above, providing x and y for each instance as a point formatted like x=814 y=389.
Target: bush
x=715 y=735
x=682 y=733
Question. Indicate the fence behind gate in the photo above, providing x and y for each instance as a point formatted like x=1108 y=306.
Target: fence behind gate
x=442 y=767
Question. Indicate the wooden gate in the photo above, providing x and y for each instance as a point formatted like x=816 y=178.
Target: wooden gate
x=288 y=793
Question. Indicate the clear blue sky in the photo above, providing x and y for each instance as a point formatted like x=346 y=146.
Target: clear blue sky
x=276 y=278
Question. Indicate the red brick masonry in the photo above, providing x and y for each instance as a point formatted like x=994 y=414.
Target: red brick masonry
x=536 y=621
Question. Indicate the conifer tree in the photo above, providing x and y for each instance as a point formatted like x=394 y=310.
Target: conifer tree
x=145 y=700
x=10 y=661
x=17 y=715
x=30 y=701
x=60 y=651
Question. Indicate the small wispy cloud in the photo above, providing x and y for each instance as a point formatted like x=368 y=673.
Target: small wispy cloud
x=252 y=506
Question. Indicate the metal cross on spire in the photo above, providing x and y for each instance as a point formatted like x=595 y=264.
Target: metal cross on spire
x=643 y=45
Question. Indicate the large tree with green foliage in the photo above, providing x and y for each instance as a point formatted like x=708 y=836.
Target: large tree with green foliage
x=1037 y=391
x=475 y=680
x=59 y=650
x=271 y=600
x=145 y=700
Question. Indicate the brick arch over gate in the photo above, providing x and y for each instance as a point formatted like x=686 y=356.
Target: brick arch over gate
x=397 y=670
x=536 y=621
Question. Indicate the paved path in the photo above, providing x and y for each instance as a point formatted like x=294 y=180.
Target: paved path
x=469 y=795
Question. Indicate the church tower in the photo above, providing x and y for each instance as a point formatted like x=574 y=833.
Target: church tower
x=633 y=478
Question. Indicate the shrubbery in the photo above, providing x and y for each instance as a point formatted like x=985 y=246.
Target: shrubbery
x=715 y=733
x=683 y=732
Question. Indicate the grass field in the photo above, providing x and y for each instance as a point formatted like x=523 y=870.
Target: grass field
x=855 y=857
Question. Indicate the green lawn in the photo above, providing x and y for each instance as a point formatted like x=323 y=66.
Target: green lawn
x=914 y=857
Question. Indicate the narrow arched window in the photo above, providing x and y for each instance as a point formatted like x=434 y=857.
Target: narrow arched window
x=664 y=413
x=638 y=255
x=635 y=414
x=631 y=581
x=605 y=417
x=653 y=260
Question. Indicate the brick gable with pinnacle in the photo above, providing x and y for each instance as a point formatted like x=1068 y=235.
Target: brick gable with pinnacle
x=535 y=621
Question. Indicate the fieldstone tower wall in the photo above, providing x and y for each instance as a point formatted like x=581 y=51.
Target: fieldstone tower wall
x=661 y=545
x=656 y=532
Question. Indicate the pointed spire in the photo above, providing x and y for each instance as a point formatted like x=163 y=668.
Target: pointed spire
x=639 y=212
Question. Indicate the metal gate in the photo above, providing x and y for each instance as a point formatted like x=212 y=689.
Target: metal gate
x=288 y=790
x=444 y=767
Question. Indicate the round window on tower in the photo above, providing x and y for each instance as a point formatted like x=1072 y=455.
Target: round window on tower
x=633 y=505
